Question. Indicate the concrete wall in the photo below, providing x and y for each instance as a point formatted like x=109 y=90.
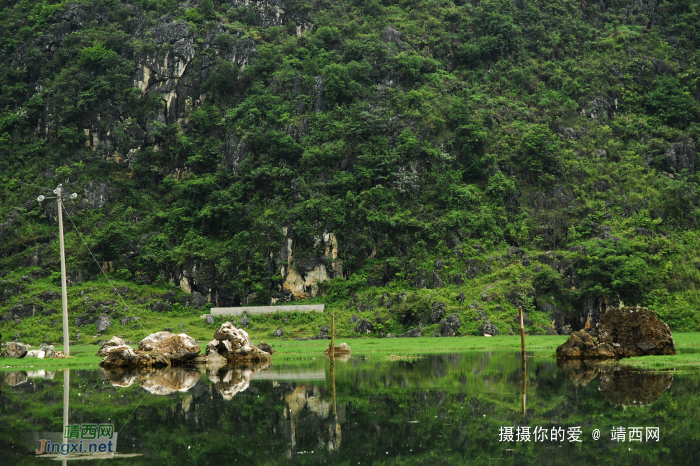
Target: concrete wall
x=251 y=310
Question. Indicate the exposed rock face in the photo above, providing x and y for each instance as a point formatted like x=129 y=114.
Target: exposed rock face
x=111 y=344
x=566 y=330
x=49 y=296
x=235 y=346
x=178 y=349
x=604 y=106
x=210 y=319
x=449 y=326
x=354 y=318
x=413 y=333
x=437 y=312
x=279 y=333
x=364 y=326
x=681 y=156
x=581 y=345
x=304 y=271
x=103 y=323
x=635 y=332
x=487 y=328
x=15 y=350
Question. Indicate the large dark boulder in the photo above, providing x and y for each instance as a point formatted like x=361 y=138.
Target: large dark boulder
x=449 y=326
x=437 y=312
x=15 y=350
x=581 y=345
x=413 y=333
x=487 y=328
x=364 y=326
x=634 y=331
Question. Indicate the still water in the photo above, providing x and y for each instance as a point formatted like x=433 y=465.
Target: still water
x=459 y=408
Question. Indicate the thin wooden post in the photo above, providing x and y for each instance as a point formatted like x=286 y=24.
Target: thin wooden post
x=522 y=341
x=332 y=338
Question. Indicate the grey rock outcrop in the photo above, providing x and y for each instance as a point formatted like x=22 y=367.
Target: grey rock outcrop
x=437 y=312
x=279 y=333
x=437 y=281
x=450 y=325
x=103 y=323
x=680 y=156
x=487 y=328
x=14 y=350
x=364 y=326
x=413 y=333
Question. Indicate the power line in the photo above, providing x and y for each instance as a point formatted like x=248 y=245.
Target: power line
x=95 y=259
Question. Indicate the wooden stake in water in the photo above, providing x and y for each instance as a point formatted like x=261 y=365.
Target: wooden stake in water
x=332 y=338
x=522 y=341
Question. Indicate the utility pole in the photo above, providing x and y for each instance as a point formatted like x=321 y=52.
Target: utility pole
x=59 y=197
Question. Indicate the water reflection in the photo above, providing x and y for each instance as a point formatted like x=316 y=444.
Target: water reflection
x=437 y=409
x=620 y=385
x=229 y=381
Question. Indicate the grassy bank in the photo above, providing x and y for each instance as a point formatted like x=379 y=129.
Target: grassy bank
x=397 y=348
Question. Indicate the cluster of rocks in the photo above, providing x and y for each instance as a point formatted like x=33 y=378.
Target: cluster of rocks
x=165 y=349
x=622 y=333
x=18 y=350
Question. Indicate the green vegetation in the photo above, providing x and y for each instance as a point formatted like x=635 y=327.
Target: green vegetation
x=299 y=352
x=393 y=158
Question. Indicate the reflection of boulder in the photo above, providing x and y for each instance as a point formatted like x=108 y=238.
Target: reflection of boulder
x=165 y=382
x=635 y=331
x=306 y=396
x=156 y=382
x=234 y=345
x=580 y=372
x=623 y=386
x=229 y=381
x=119 y=377
x=15 y=378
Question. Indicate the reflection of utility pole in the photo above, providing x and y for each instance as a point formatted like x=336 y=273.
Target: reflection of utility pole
x=59 y=196
x=66 y=399
x=522 y=341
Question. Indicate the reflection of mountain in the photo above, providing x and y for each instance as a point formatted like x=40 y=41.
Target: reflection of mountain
x=620 y=385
